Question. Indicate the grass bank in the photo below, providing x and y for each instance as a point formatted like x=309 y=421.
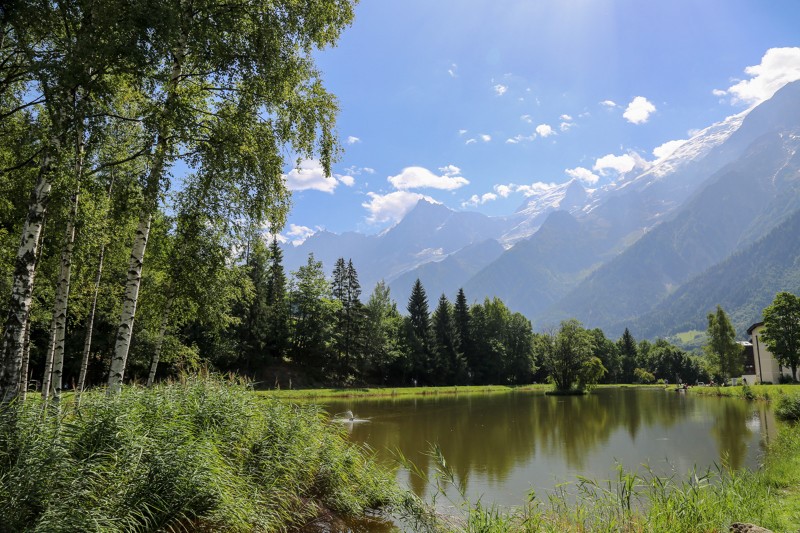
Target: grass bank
x=202 y=455
x=315 y=394
x=749 y=392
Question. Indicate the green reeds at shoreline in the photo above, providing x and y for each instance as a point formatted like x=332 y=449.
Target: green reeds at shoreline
x=201 y=455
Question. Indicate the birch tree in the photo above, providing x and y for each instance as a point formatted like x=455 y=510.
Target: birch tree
x=61 y=49
x=225 y=73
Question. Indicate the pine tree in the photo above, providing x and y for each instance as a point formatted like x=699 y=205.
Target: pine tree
x=448 y=364
x=461 y=319
x=629 y=354
x=277 y=319
x=419 y=333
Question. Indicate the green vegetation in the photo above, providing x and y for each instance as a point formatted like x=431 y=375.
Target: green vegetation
x=723 y=354
x=699 y=502
x=749 y=392
x=314 y=394
x=202 y=454
x=782 y=330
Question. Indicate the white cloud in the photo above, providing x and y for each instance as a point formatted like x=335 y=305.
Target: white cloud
x=668 y=148
x=719 y=92
x=462 y=132
x=309 y=176
x=504 y=190
x=476 y=200
x=535 y=189
x=544 y=130
x=500 y=89
x=352 y=140
x=564 y=126
x=470 y=141
x=298 y=234
x=583 y=174
x=453 y=70
x=368 y=170
x=420 y=177
x=566 y=118
x=393 y=206
x=608 y=103
x=617 y=163
x=639 y=110
x=520 y=138
x=486 y=137
x=347 y=180
x=526 y=118
x=778 y=67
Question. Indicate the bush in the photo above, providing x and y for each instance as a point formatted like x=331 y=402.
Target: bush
x=201 y=455
x=788 y=407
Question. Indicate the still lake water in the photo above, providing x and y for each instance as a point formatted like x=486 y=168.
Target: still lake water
x=500 y=446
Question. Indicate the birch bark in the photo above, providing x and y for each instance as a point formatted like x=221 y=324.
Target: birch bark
x=122 y=342
x=65 y=272
x=22 y=288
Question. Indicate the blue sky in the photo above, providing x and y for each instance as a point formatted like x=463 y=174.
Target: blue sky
x=478 y=103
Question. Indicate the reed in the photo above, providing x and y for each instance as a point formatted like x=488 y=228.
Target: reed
x=202 y=454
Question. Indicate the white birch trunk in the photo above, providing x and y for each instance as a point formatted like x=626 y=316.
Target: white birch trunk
x=24 y=374
x=48 y=361
x=64 y=274
x=159 y=344
x=61 y=303
x=22 y=288
x=125 y=331
x=122 y=343
x=87 y=342
x=26 y=357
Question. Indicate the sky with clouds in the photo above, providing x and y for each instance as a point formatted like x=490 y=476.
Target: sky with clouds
x=479 y=104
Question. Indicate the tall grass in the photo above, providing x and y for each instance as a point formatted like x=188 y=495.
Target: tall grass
x=200 y=455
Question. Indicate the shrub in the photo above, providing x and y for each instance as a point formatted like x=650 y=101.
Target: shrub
x=788 y=407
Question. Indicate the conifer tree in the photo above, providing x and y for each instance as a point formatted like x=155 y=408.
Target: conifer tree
x=449 y=364
x=629 y=354
x=419 y=333
x=277 y=319
x=461 y=319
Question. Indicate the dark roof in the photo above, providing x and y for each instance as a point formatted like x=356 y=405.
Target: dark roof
x=754 y=326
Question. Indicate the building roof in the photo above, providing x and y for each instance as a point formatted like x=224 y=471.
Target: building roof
x=754 y=326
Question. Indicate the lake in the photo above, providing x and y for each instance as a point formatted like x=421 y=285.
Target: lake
x=501 y=446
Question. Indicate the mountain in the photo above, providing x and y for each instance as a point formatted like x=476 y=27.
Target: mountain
x=625 y=253
x=448 y=275
x=538 y=271
x=744 y=284
x=429 y=232
x=736 y=205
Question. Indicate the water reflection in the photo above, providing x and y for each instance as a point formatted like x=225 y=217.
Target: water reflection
x=502 y=445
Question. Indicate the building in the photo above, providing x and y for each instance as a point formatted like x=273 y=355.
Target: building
x=763 y=368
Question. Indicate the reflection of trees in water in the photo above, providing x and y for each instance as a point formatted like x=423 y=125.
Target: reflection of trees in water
x=492 y=434
x=730 y=429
